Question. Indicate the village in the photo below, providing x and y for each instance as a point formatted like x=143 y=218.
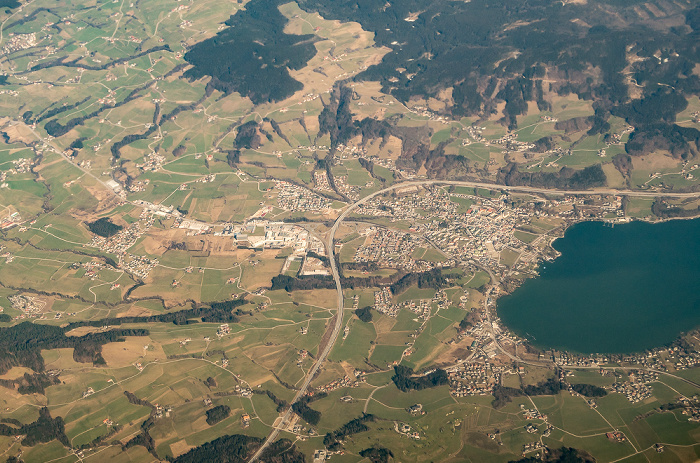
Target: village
x=391 y=249
x=479 y=235
x=292 y=197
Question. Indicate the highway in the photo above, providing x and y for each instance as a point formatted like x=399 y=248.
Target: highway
x=330 y=249
x=417 y=183
x=335 y=327
x=528 y=189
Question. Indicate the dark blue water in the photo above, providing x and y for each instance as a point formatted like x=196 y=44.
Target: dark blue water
x=613 y=290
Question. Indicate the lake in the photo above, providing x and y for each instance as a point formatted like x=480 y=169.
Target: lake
x=613 y=290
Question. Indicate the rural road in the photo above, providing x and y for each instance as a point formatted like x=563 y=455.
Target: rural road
x=330 y=249
x=60 y=152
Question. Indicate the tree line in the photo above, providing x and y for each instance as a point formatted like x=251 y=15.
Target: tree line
x=218 y=413
x=552 y=386
x=44 y=429
x=215 y=312
x=351 y=427
x=566 y=179
x=397 y=283
x=308 y=414
x=56 y=129
x=405 y=381
x=21 y=344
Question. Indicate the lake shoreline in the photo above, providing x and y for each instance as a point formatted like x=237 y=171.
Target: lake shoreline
x=542 y=343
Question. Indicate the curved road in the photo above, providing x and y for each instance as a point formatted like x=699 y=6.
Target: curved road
x=330 y=248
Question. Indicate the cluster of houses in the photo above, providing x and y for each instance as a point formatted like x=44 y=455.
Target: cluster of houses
x=662 y=359
x=18 y=42
x=420 y=307
x=405 y=430
x=389 y=249
x=383 y=302
x=140 y=266
x=20 y=166
x=124 y=239
x=345 y=381
x=473 y=378
x=223 y=330
x=351 y=191
x=28 y=305
x=691 y=408
x=532 y=413
x=151 y=162
x=321 y=180
x=637 y=388
x=616 y=436
x=533 y=447
x=479 y=234
x=10 y=221
x=295 y=198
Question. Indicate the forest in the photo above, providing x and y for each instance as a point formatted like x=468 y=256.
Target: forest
x=364 y=314
x=44 y=429
x=230 y=449
x=552 y=386
x=253 y=55
x=336 y=117
x=238 y=448
x=566 y=179
x=662 y=209
x=216 y=312
x=398 y=283
x=581 y=48
x=35 y=383
x=377 y=454
x=21 y=344
x=430 y=279
x=589 y=390
x=290 y=284
x=308 y=414
x=218 y=413
x=8 y=4
x=247 y=136
x=352 y=427
x=104 y=227
x=404 y=380
x=561 y=455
